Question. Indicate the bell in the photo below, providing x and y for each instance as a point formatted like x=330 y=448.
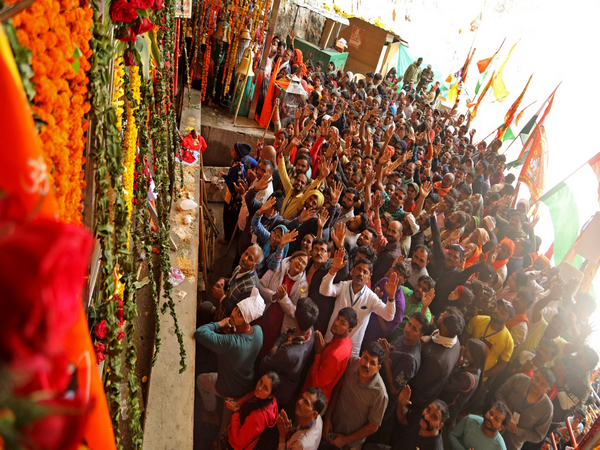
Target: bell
x=245 y=34
x=222 y=31
x=245 y=67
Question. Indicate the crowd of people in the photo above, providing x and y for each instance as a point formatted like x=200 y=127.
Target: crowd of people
x=385 y=294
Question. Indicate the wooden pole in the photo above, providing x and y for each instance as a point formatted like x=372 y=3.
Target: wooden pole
x=237 y=110
x=203 y=248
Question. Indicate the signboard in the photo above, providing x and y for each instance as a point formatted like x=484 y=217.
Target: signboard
x=183 y=9
x=356 y=37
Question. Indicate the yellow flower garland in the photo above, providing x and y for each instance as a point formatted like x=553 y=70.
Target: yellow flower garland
x=119 y=92
x=131 y=135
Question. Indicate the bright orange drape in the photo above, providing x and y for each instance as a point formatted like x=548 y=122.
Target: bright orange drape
x=24 y=178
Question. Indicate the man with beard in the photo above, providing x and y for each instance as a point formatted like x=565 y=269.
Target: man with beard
x=417 y=265
x=317 y=268
x=482 y=433
x=356 y=294
x=390 y=252
x=296 y=194
x=348 y=202
x=422 y=428
x=494 y=334
x=358 y=402
x=394 y=204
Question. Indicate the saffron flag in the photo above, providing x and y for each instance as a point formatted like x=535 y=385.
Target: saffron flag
x=512 y=111
x=484 y=63
x=568 y=214
x=500 y=91
x=533 y=173
x=485 y=89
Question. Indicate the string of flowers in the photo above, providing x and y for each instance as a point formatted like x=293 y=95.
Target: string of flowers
x=164 y=151
x=198 y=34
x=231 y=20
x=131 y=135
x=112 y=225
x=261 y=38
x=58 y=34
x=118 y=91
x=212 y=18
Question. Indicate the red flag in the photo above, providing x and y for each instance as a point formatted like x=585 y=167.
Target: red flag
x=484 y=63
x=512 y=111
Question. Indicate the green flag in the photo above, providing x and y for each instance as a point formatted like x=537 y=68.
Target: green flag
x=508 y=135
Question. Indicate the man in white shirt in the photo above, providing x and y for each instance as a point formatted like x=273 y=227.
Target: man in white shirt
x=358 y=296
x=306 y=435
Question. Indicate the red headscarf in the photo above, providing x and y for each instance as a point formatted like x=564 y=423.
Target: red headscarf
x=511 y=249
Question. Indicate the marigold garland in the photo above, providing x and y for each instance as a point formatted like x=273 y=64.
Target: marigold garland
x=53 y=30
x=131 y=135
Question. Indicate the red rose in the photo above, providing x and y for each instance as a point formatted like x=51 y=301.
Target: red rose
x=141 y=26
x=100 y=330
x=158 y=4
x=120 y=313
x=41 y=286
x=122 y=11
x=142 y=4
x=99 y=357
x=129 y=58
x=99 y=347
x=125 y=34
x=120 y=335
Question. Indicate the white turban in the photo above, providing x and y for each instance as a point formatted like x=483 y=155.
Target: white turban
x=252 y=307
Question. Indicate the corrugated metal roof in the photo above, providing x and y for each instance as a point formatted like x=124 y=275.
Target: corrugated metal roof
x=323 y=12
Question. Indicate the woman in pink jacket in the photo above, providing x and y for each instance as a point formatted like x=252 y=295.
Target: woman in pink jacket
x=253 y=413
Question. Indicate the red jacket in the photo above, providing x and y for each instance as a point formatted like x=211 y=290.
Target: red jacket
x=245 y=437
x=329 y=366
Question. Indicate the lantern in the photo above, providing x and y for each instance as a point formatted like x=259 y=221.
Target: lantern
x=294 y=98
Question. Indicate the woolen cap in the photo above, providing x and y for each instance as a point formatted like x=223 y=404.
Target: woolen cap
x=242 y=149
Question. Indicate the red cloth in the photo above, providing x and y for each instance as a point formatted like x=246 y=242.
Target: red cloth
x=440 y=190
x=194 y=144
x=329 y=366
x=245 y=437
